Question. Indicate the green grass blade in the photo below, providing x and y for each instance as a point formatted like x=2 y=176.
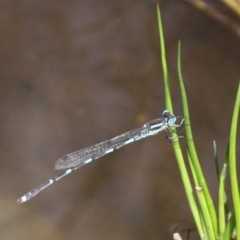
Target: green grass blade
x=193 y=153
x=205 y=213
x=221 y=202
x=232 y=162
x=188 y=189
x=206 y=219
x=177 y=149
x=229 y=228
x=201 y=226
x=164 y=63
x=226 y=162
x=216 y=160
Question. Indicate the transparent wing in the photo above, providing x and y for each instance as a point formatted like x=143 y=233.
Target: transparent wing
x=87 y=155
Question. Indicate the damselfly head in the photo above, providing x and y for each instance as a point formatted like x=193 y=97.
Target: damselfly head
x=166 y=113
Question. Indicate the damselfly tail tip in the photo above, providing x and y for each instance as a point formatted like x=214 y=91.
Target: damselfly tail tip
x=25 y=198
x=21 y=200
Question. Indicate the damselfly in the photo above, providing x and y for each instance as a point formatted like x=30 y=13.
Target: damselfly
x=79 y=158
